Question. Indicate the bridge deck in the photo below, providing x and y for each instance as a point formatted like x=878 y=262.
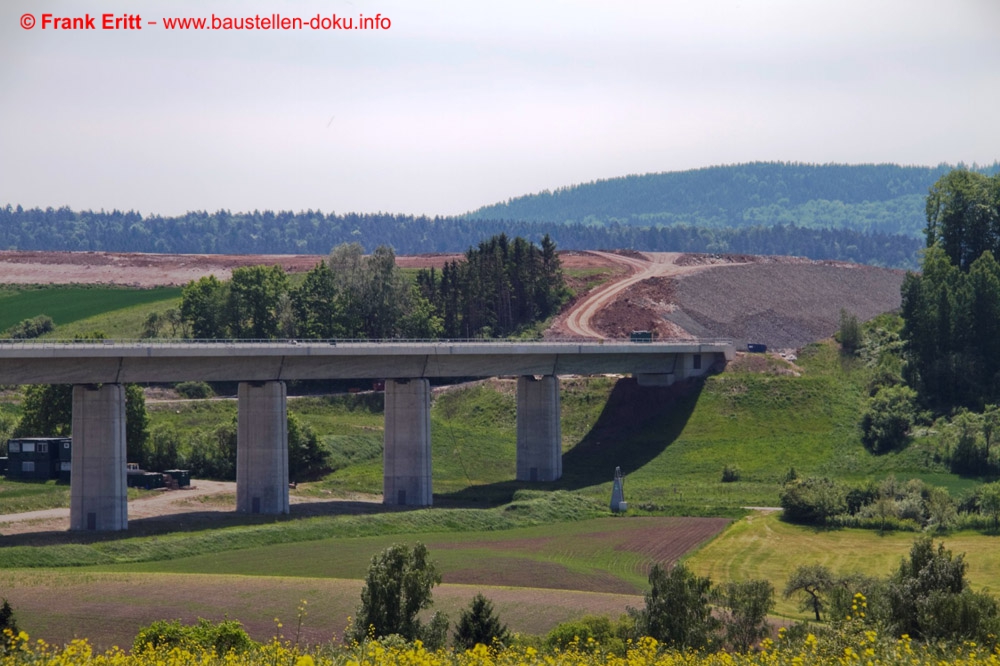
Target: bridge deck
x=52 y=362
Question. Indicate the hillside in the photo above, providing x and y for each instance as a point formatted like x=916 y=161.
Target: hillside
x=882 y=198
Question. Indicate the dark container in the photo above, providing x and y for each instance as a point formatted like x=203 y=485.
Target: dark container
x=181 y=476
x=756 y=348
x=641 y=336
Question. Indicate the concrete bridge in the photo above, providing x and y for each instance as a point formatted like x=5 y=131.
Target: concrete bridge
x=98 y=370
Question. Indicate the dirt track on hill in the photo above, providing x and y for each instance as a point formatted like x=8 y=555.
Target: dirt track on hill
x=641 y=266
x=783 y=302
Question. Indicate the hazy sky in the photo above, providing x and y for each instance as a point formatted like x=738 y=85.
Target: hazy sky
x=465 y=103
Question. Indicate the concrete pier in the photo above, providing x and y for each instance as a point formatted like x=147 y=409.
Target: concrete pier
x=539 y=434
x=407 y=465
x=98 y=496
x=262 y=449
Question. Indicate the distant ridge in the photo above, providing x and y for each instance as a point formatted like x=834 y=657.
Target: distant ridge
x=883 y=198
x=871 y=214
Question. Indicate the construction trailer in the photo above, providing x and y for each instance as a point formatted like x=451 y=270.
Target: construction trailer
x=39 y=458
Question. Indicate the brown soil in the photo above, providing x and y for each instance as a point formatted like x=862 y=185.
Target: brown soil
x=669 y=539
x=134 y=269
x=642 y=307
x=110 y=608
x=783 y=302
x=153 y=270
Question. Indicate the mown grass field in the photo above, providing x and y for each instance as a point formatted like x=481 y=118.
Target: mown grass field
x=762 y=546
x=69 y=305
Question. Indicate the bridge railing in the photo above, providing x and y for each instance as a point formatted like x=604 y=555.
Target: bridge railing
x=245 y=342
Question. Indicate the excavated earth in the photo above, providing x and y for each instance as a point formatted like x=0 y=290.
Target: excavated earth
x=783 y=302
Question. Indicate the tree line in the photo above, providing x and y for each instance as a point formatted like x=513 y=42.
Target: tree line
x=951 y=310
x=313 y=232
x=500 y=288
x=349 y=295
x=937 y=363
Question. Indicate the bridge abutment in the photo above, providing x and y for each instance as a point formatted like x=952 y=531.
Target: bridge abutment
x=406 y=473
x=539 y=433
x=98 y=493
x=262 y=449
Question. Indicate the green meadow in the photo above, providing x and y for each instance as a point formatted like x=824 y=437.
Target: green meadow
x=72 y=304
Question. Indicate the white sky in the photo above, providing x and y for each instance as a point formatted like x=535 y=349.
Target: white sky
x=467 y=102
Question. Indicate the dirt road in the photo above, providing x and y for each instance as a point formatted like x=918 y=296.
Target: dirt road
x=643 y=266
x=200 y=496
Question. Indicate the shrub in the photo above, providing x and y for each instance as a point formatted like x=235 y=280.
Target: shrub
x=849 y=333
x=226 y=636
x=812 y=501
x=730 y=474
x=887 y=419
x=7 y=621
x=744 y=607
x=194 y=390
x=31 y=328
x=435 y=634
x=589 y=634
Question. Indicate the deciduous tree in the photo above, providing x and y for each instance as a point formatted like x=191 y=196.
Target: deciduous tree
x=678 y=610
x=814 y=581
x=397 y=587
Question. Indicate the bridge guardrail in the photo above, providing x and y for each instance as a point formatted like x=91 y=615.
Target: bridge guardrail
x=244 y=342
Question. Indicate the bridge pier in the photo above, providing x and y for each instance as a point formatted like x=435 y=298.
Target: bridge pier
x=262 y=448
x=98 y=494
x=539 y=433
x=406 y=476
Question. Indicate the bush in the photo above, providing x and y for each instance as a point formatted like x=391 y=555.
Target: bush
x=813 y=501
x=730 y=474
x=31 y=328
x=194 y=390
x=7 y=621
x=887 y=419
x=226 y=636
x=849 y=333
x=307 y=458
x=435 y=634
x=744 y=607
x=590 y=633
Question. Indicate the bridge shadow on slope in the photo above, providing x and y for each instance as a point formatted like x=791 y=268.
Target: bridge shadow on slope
x=636 y=425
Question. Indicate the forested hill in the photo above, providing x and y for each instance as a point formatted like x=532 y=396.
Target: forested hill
x=884 y=198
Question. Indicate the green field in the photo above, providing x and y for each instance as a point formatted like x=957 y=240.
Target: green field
x=762 y=546
x=72 y=304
